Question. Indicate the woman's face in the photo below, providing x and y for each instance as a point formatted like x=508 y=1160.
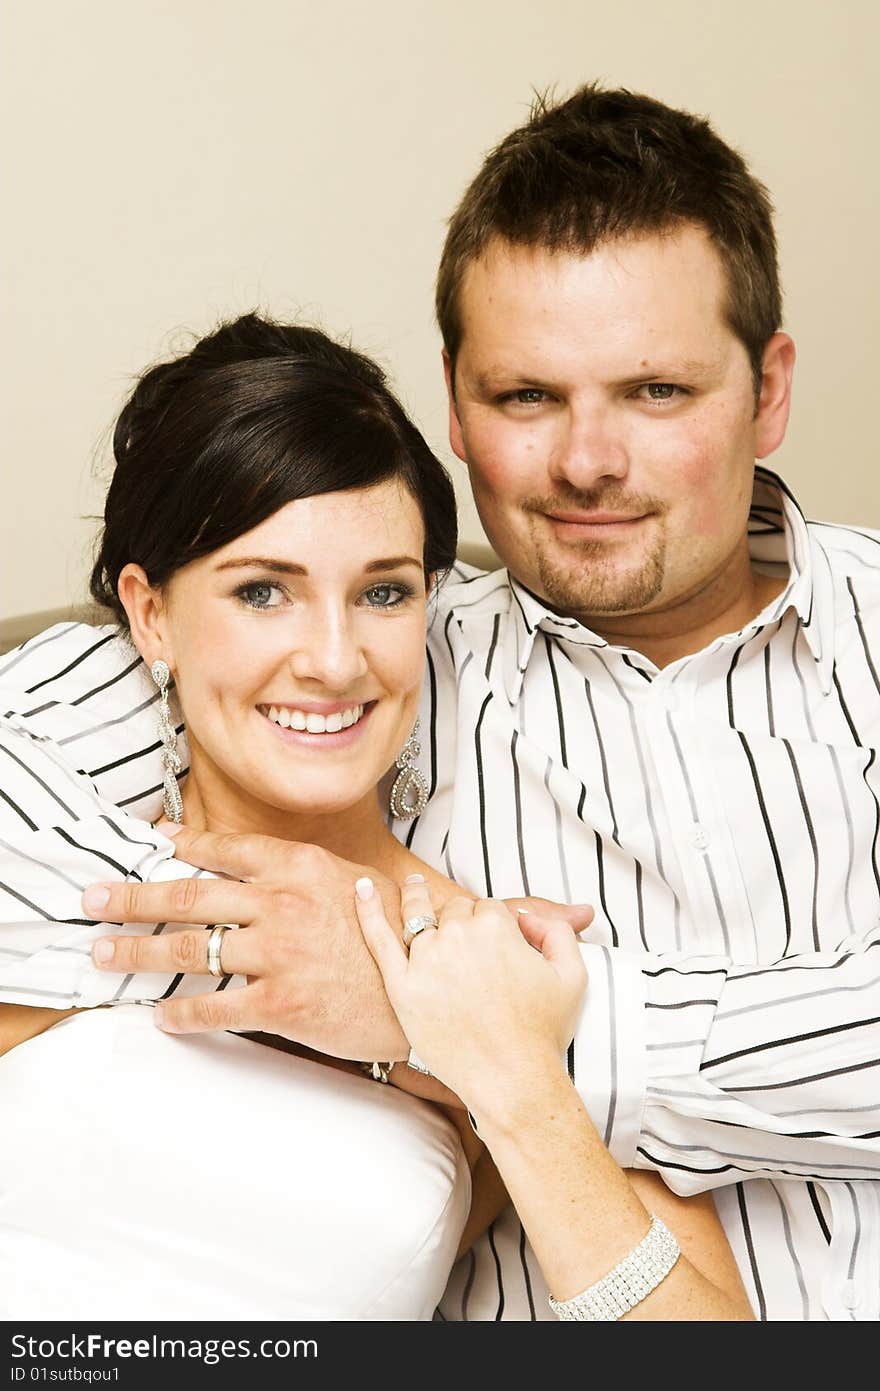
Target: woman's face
x=298 y=653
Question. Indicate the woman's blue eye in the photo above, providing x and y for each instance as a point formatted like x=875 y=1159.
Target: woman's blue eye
x=386 y=596
x=258 y=595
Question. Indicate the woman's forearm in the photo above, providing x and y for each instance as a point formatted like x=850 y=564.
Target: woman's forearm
x=580 y=1210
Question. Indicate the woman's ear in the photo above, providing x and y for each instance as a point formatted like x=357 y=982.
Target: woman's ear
x=146 y=612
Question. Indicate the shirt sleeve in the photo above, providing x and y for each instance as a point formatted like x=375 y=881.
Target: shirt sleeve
x=711 y=1072
x=57 y=835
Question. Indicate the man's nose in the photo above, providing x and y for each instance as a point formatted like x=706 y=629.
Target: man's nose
x=327 y=650
x=588 y=449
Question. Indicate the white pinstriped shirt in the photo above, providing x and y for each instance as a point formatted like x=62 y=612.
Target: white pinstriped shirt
x=722 y=815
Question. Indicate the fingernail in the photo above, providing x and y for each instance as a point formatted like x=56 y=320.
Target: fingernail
x=168 y=828
x=159 y=1016
x=103 y=951
x=96 y=897
x=364 y=889
x=414 y=879
x=524 y=912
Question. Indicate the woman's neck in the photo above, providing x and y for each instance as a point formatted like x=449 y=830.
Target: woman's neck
x=358 y=833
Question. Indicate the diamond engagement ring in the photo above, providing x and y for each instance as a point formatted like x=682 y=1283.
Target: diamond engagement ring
x=413 y=926
x=215 y=946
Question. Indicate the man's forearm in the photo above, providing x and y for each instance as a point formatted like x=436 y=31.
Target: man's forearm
x=732 y=1070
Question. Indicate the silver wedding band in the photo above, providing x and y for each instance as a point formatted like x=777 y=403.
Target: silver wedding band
x=215 y=947
x=413 y=926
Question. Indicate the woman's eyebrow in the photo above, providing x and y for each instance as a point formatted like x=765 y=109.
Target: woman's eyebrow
x=288 y=567
x=262 y=562
x=392 y=562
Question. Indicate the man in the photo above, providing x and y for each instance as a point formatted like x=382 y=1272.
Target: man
x=667 y=707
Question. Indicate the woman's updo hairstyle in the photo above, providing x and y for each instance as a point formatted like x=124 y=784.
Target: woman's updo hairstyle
x=256 y=415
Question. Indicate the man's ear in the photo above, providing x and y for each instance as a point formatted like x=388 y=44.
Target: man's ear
x=774 y=402
x=455 y=436
x=146 y=615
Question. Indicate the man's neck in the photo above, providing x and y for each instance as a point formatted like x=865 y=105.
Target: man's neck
x=681 y=630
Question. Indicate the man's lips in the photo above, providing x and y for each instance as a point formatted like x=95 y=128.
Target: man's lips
x=595 y=525
x=596 y=518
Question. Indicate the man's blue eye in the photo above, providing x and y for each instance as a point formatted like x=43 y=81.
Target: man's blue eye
x=527 y=396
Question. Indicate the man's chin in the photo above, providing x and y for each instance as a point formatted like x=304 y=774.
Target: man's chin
x=601 y=595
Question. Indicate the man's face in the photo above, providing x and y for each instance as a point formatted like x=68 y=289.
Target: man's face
x=606 y=412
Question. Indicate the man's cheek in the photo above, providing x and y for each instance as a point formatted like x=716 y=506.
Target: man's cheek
x=505 y=475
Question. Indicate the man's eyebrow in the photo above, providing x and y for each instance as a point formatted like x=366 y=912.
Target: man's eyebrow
x=675 y=367
x=493 y=378
x=289 y=567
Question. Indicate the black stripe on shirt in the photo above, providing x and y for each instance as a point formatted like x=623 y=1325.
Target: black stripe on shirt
x=56 y=675
x=774 y=849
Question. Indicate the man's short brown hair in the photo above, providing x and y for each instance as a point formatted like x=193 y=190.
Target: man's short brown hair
x=606 y=164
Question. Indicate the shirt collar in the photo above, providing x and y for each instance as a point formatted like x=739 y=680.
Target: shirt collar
x=778 y=536
x=529 y=616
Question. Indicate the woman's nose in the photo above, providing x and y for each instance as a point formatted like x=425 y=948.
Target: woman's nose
x=329 y=653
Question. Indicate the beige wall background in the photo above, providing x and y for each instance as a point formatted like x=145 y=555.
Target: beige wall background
x=172 y=162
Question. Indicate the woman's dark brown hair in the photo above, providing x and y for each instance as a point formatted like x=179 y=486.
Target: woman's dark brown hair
x=256 y=415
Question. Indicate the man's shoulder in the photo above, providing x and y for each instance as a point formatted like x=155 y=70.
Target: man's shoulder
x=466 y=609
x=470 y=591
x=851 y=551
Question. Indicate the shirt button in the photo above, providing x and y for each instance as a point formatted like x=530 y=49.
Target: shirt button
x=849 y=1295
x=700 y=837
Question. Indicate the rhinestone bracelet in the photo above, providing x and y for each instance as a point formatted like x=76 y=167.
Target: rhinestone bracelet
x=380 y=1072
x=415 y=1062
x=628 y=1283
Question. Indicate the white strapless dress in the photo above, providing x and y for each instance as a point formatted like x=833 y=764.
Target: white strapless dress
x=153 y=1176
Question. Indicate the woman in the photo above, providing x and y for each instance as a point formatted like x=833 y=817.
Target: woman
x=272 y=532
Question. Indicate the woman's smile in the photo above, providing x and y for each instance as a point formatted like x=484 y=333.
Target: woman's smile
x=333 y=727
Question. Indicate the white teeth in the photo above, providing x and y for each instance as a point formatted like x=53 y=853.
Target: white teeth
x=315 y=724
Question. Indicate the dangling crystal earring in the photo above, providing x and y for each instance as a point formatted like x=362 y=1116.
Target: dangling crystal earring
x=409 y=795
x=172 y=801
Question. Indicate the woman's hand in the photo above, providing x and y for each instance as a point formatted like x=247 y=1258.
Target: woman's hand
x=476 y=1001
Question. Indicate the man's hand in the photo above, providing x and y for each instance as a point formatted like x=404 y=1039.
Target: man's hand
x=311 y=977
